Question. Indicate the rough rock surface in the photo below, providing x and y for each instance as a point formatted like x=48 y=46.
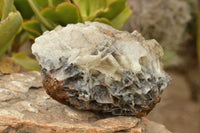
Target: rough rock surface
x=164 y=20
x=93 y=66
x=26 y=108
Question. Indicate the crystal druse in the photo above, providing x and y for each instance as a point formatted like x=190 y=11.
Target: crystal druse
x=94 y=67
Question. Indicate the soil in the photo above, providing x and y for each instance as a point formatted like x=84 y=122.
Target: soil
x=176 y=110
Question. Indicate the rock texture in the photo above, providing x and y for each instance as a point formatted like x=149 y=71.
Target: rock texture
x=164 y=20
x=92 y=66
x=26 y=108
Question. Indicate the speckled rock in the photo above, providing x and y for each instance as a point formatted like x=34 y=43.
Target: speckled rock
x=33 y=111
x=164 y=20
x=153 y=127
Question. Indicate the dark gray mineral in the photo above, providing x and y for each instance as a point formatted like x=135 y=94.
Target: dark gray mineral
x=94 y=67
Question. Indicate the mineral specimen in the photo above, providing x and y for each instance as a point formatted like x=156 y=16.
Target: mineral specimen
x=92 y=66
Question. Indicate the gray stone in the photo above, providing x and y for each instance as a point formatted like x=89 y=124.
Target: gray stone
x=164 y=20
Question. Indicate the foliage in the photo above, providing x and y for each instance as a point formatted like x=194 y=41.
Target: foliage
x=8 y=29
x=24 y=20
x=50 y=13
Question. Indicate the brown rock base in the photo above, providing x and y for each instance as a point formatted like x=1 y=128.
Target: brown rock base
x=25 y=108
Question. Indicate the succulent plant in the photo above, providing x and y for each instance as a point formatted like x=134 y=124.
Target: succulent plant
x=93 y=66
x=50 y=13
x=11 y=36
x=8 y=29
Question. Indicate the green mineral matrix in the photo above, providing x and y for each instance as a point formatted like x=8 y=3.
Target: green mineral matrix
x=93 y=66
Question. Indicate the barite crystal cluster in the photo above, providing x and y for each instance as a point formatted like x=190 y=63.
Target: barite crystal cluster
x=94 y=67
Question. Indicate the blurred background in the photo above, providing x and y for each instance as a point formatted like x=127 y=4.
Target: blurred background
x=175 y=24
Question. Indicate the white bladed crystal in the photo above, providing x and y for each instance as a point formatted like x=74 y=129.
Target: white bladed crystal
x=95 y=46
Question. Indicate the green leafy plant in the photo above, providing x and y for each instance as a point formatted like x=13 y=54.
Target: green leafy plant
x=11 y=31
x=50 y=13
x=11 y=22
x=24 y=20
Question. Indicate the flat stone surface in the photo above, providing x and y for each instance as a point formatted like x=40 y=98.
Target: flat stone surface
x=25 y=107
